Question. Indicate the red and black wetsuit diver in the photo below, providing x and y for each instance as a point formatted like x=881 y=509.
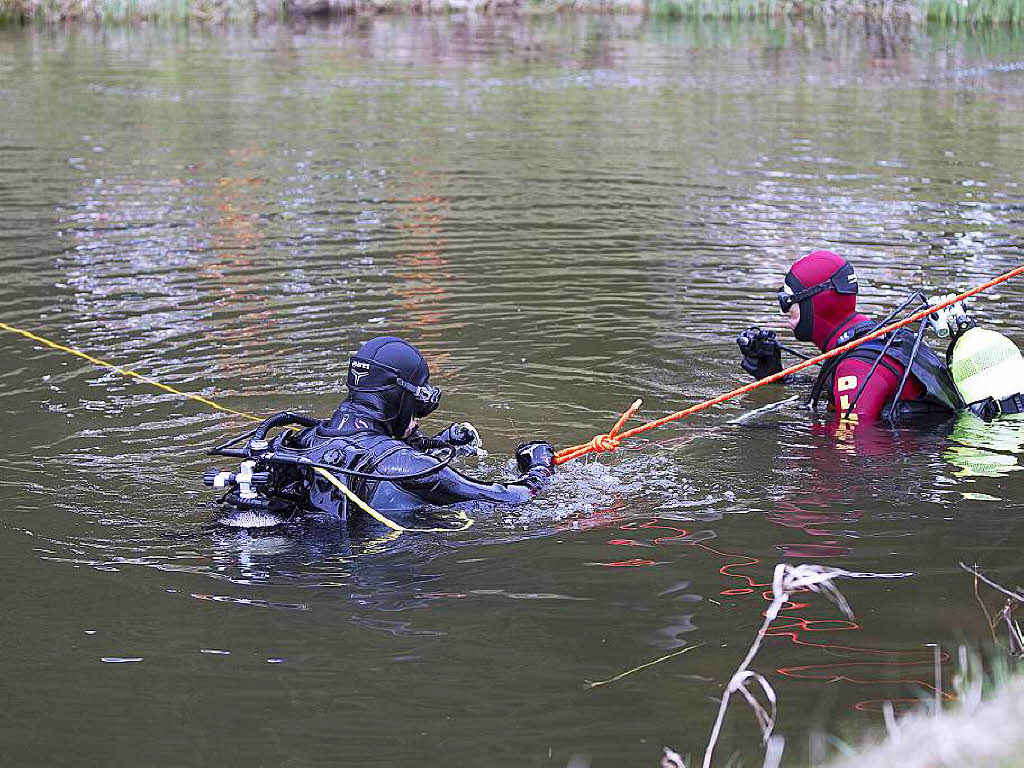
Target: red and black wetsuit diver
x=820 y=298
x=373 y=445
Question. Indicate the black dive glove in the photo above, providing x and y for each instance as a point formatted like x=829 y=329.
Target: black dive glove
x=462 y=435
x=536 y=460
x=762 y=355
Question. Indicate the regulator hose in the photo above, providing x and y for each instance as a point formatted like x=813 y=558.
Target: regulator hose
x=302 y=461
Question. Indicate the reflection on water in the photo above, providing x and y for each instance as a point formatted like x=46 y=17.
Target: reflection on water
x=981 y=449
x=565 y=214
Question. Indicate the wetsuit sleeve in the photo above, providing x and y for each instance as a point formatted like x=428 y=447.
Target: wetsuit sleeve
x=450 y=487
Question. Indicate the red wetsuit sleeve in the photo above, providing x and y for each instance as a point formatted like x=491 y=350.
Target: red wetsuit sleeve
x=880 y=389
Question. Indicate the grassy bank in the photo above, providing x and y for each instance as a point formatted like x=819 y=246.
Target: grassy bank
x=982 y=724
x=217 y=11
x=977 y=731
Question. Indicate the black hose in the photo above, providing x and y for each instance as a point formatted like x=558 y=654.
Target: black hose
x=794 y=352
x=888 y=343
x=874 y=367
x=286 y=417
x=281 y=419
x=260 y=433
x=894 y=410
x=300 y=461
x=906 y=303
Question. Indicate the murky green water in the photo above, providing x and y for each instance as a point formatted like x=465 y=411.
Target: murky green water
x=565 y=215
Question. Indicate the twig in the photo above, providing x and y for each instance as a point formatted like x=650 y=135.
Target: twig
x=786 y=580
x=891 y=726
x=1016 y=639
x=1015 y=595
x=749 y=415
x=937 y=665
x=984 y=609
x=967 y=684
x=687 y=649
x=672 y=759
x=773 y=752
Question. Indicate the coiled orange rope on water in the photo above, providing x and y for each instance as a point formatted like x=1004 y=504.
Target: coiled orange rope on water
x=612 y=440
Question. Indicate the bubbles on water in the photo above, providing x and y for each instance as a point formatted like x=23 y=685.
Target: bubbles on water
x=578 y=488
x=250 y=519
x=624 y=484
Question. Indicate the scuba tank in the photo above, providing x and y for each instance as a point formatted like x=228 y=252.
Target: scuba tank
x=276 y=480
x=987 y=367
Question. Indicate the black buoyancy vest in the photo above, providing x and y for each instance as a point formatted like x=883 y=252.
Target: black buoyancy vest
x=926 y=366
x=358 y=452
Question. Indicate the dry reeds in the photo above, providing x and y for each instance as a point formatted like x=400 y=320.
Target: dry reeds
x=978 y=730
x=787 y=579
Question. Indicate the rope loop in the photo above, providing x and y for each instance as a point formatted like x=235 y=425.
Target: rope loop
x=599 y=443
x=602 y=443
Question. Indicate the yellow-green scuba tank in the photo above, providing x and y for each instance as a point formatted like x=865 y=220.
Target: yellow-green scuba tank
x=987 y=368
x=984 y=364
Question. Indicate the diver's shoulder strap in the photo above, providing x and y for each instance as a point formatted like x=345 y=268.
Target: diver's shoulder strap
x=845 y=336
x=367 y=457
x=855 y=331
x=822 y=386
x=925 y=366
x=1011 y=404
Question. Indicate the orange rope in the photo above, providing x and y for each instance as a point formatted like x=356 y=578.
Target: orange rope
x=611 y=441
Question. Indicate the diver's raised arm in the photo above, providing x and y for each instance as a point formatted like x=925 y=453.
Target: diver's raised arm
x=535 y=461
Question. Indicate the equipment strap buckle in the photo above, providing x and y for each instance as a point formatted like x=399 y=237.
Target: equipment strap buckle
x=1008 y=405
x=1012 y=404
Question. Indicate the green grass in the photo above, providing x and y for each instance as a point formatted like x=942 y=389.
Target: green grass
x=953 y=12
x=712 y=9
x=981 y=727
x=975 y=11
x=129 y=11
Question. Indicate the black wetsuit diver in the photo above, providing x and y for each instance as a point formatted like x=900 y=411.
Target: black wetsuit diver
x=373 y=446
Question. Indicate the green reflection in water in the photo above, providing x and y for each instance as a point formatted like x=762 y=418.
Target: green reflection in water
x=986 y=449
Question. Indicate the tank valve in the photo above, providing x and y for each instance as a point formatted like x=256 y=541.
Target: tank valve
x=219 y=479
x=949 y=321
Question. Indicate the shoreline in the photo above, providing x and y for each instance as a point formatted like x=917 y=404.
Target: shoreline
x=952 y=12
x=973 y=733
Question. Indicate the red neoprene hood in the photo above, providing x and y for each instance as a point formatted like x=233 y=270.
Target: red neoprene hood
x=823 y=313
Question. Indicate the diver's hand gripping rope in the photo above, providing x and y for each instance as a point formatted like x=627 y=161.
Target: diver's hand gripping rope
x=611 y=440
x=600 y=443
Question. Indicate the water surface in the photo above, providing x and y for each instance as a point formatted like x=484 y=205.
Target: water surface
x=564 y=214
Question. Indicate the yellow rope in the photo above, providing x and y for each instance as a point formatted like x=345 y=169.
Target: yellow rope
x=127 y=372
x=466 y=520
